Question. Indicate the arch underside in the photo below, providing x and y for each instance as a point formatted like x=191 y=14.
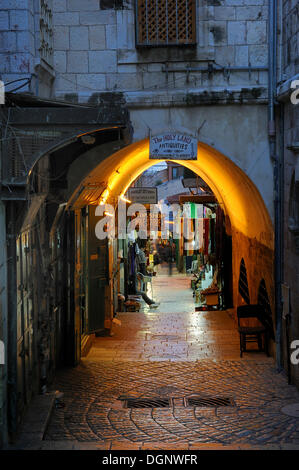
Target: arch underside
x=237 y=194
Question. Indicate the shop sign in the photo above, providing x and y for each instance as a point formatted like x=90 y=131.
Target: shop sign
x=173 y=146
x=143 y=195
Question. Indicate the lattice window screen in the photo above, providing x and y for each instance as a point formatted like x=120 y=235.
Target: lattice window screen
x=46 y=31
x=166 y=22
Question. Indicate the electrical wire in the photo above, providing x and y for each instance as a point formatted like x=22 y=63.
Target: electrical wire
x=163 y=87
x=28 y=80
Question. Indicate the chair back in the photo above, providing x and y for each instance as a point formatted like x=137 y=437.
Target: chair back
x=249 y=311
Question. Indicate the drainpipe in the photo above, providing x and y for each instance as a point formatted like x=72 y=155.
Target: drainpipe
x=277 y=178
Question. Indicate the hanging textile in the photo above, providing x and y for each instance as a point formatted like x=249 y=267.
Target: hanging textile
x=206 y=235
x=212 y=235
x=219 y=235
x=132 y=258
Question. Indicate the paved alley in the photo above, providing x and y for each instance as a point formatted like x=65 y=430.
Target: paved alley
x=172 y=353
x=172 y=332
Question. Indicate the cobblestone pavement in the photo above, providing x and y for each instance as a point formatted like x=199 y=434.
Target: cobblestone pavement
x=174 y=353
x=94 y=411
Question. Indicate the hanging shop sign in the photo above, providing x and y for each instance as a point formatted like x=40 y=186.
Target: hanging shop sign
x=173 y=146
x=143 y=195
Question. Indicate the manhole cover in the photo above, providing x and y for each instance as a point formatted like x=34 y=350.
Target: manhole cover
x=147 y=403
x=291 y=410
x=209 y=401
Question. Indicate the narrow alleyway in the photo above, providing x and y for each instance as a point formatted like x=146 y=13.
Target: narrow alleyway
x=172 y=353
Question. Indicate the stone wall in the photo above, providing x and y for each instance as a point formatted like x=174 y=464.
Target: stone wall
x=95 y=48
x=290 y=38
x=21 y=47
x=291 y=252
x=17 y=40
x=289 y=67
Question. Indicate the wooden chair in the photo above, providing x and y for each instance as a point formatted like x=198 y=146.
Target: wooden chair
x=249 y=334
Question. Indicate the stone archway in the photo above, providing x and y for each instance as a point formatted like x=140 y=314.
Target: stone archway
x=250 y=222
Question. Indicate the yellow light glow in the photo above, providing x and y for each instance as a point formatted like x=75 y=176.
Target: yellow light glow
x=108 y=214
x=235 y=192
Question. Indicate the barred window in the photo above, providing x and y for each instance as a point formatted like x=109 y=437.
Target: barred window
x=46 y=32
x=165 y=22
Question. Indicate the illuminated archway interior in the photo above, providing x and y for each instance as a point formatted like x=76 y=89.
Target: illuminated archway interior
x=249 y=224
x=237 y=194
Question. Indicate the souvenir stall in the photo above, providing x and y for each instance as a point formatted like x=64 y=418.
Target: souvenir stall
x=204 y=257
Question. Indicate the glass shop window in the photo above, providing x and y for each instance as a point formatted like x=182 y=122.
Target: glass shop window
x=165 y=22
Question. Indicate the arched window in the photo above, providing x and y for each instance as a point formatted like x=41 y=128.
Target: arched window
x=243 y=282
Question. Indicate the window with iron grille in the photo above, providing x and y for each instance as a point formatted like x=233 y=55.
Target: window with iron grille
x=165 y=22
x=46 y=31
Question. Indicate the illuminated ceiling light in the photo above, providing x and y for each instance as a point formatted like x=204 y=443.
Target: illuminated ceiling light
x=108 y=214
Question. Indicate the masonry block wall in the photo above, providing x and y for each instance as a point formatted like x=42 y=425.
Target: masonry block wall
x=290 y=70
x=17 y=42
x=26 y=49
x=95 y=48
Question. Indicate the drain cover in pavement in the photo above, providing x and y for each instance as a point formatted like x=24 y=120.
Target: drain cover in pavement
x=166 y=337
x=147 y=403
x=291 y=410
x=209 y=401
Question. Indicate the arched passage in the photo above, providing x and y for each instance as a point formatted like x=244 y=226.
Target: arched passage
x=102 y=172
x=250 y=223
x=238 y=195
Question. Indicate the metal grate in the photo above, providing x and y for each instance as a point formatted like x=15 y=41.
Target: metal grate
x=19 y=146
x=209 y=401
x=46 y=32
x=147 y=402
x=166 y=22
